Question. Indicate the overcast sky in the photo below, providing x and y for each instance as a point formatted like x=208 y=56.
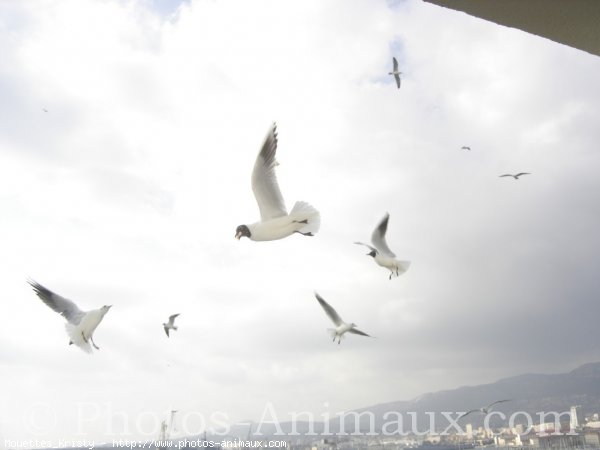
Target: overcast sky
x=128 y=190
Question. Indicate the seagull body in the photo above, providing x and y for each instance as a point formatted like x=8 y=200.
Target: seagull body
x=396 y=72
x=341 y=327
x=484 y=410
x=465 y=147
x=170 y=325
x=275 y=221
x=80 y=324
x=381 y=253
x=516 y=177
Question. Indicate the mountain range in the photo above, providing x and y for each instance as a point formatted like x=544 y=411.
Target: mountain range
x=527 y=394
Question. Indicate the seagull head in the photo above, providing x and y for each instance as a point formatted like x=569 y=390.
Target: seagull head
x=353 y=325
x=372 y=253
x=241 y=231
x=105 y=308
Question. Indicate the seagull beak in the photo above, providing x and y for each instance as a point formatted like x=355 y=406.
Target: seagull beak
x=238 y=235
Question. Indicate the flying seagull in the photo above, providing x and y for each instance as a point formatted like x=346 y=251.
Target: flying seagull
x=170 y=325
x=465 y=147
x=44 y=109
x=381 y=253
x=485 y=410
x=80 y=324
x=341 y=327
x=275 y=222
x=396 y=72
x=516 y=177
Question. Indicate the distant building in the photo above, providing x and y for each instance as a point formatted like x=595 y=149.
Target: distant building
x=576 y=417
x=469 y=429
x=593 y=424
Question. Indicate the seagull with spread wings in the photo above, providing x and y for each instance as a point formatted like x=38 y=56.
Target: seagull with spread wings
x=381 y=253
x=80 y=324
x=275 y=222
x=485 y=410
x=170 y=325
x=516 y=177
x=465 y=147
x=341 y=327
x=395 y=72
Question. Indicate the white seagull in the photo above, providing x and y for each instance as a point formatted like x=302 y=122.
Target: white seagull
x=275 y=222
x=516 y=177
x=485 y=410
x=80 y=324
x=381 y=253
x=341 y=327
x=396 y=72
x=170 y=325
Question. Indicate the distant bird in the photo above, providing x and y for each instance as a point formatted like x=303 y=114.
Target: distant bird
x=80 y=324
x=275 y=222
x=341 y=327
x=381 y=253
x=396 y=72
x=485 y=410
x=465 y=147
x=44 y=109
x=516 y=177
x=170 y=325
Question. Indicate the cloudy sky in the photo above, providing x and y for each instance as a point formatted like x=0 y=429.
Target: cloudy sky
x=128 y=190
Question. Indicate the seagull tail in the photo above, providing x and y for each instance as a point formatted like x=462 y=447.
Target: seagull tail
x=306 y=216
x=403 y=267
x=77 y=339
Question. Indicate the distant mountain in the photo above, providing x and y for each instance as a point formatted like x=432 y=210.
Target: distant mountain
x=530 y=393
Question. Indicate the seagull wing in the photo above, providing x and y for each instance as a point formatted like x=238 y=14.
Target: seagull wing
x=467 y=413
x=378 y=237
x=367 y=245
x=333 y=315
x=172 y=319
x=506 y=175
x=522 y=173
x=495 y=403
x=357 y=331
x=397 y=77
x=395 y=62
x=61 y=305
x=264 y=181
x=166 y=329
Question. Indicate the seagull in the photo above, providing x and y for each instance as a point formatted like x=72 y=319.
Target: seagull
x=516 y=177
x=485 y=410
x=275 y=222
x=341 y=327
x=45 y=110
x=381 y=253
x=80 y=324
x=170 y=325
x=396 y=72
x=465 y=147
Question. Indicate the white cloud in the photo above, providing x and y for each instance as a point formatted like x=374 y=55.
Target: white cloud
x=128 y=191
